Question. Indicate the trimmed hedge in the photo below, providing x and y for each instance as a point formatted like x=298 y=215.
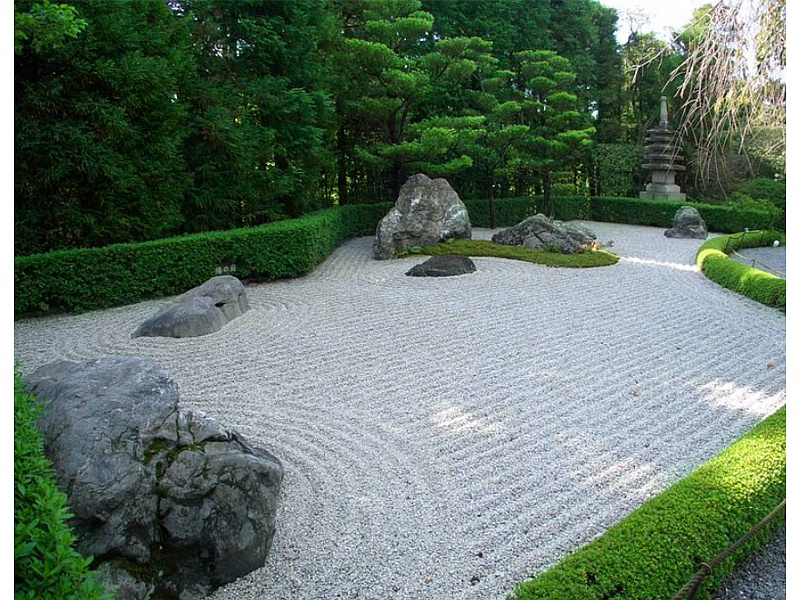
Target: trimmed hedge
x=634 y=211
x=716 y=264
x=46 y=564
x=97 y=278
x=507 y=211
x=657 y=549
x=660 y=213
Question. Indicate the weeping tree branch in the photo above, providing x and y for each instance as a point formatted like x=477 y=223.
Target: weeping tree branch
x=732 y=84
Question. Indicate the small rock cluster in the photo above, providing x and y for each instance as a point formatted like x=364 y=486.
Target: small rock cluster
x=541 y=232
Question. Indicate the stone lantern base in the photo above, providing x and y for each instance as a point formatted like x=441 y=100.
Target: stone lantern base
x=663 y=187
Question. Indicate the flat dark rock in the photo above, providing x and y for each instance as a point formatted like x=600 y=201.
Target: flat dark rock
x=445 y=265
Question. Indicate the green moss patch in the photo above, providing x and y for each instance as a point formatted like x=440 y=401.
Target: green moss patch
x=486 y=248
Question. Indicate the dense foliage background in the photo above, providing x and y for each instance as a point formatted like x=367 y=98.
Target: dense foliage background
x=145 y=119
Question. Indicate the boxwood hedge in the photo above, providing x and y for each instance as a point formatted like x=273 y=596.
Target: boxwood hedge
x=659 y=547
x=96 y=278
x=714 y=261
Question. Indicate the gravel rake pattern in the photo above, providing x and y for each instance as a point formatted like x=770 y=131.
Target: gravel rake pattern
x=450 y=437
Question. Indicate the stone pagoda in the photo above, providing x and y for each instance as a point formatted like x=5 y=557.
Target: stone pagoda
x=662 y=157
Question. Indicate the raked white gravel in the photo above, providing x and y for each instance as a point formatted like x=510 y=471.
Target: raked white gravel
x=451 y=437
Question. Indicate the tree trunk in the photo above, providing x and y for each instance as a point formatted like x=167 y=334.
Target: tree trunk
x=341 y=143
x=547 y=193
x=492 y=218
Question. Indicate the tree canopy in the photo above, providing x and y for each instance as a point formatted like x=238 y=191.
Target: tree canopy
x=150 y=118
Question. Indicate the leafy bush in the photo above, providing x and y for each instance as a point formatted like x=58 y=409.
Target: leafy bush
x=46 y=564
x=616 y=169
x=507 y=211
x=655 y=550
x=571 y=208
x=95 y=278
x=362 y=219
x=660 y=213
x=714 y=262
x=769 y=190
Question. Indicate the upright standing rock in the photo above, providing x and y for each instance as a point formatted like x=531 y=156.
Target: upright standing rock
x=427 y=211
x=687 y=223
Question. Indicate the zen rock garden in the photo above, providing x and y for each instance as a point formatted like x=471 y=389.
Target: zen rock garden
x=169 y=502
x=429 y=211
x=174 y=504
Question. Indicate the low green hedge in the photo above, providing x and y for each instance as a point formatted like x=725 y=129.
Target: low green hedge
x=634 y=211
x=507 y=211
x=715 y=263
x=97 y=278
x=46 y=564
x=653 y=552
x=660 y=213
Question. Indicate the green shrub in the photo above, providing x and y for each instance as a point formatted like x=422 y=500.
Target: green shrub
x=617 y=168
x=362 y=219
x=46 y=564
x=660 y=213
x=655 y=550
x=714 y=262
x=572 y=208
x=634 y=211
x=770 y=190
x=507 y=211
x=510 y=211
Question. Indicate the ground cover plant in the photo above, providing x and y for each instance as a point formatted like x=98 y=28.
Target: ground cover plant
x=486 y=248
x=46 y=564
x=714 y=261
x=658 y=548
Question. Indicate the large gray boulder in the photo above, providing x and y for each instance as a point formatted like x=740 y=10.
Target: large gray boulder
x=427 y=211
x=541 y=232
x=687 y=223
x=180 y=502
x=200 y=311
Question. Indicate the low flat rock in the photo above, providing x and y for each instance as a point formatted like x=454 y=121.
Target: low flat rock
x=445 y=265
x=200 y=311
x=540 y=231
